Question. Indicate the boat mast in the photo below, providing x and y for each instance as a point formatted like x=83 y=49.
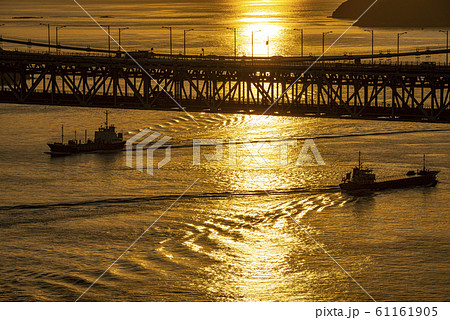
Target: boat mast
x=424 y=162
x=359 y=159
x=106 y=122
x=62 y=133
x=85 y=136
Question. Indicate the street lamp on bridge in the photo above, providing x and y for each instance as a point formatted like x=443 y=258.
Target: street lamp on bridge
x=1 y=25
x=48 y=34
x=301 y=39
x=398 y=45
x=184 y=39
x=371 y=31
x=235 y=40
x=56 y=36
x=446 y=59
x=120 y=31
x=252 y=39
x=170 y=30
x=323 y=41
x=109 y=37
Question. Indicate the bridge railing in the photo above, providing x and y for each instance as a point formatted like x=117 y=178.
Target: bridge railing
x=87 y=51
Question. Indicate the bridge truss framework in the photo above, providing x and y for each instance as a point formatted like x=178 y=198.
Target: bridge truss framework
x=411 y=92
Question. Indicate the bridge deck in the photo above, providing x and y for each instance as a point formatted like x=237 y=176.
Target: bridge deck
x=331 y=88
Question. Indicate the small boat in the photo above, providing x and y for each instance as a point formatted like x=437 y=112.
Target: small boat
x=106 y=139
x=361 y=180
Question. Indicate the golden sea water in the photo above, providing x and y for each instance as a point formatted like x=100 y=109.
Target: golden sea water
x=243 y=231
x=277 y=23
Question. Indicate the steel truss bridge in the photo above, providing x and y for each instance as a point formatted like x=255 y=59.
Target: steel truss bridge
x=337 y=87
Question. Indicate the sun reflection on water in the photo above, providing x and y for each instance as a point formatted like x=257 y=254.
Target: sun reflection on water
x=264 y=20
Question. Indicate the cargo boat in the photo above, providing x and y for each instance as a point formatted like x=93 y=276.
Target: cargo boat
x=361 y=180
x=106 y=139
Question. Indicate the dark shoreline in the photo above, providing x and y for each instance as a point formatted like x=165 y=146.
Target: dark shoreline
x=397 y=13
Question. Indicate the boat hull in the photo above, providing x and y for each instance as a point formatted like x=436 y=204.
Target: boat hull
x=67 y=149
x=428 y=180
